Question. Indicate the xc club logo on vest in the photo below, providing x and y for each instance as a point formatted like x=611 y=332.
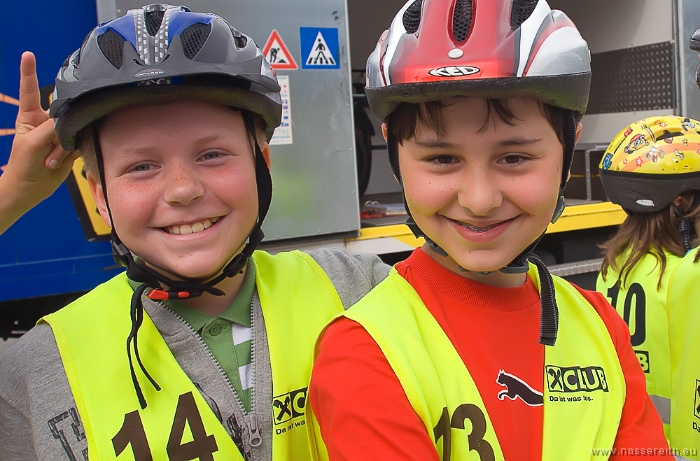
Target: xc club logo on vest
x=289 y=406
x=517 y=388
x=697 y=398
x=576 y=379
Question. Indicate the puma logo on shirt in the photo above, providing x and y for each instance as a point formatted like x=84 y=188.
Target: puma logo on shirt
x=516 y=387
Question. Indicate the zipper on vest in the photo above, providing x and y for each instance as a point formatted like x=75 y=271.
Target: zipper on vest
x=251 y=419
x=258 y=436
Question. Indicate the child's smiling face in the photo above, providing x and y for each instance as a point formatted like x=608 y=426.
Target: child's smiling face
x=181 y=185
x=483 y=195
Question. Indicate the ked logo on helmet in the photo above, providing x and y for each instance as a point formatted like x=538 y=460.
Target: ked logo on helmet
x=454 y=71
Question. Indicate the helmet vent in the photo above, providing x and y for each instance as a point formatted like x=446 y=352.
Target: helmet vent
x=522 y=9
x=462 y=20
x=668 y=134
x=193 y=38
x=112 y=46
x=240 y=39
x=153 y=21
x=411 y=17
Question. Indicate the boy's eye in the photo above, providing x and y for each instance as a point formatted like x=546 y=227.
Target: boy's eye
x=211 y=155
x=443 y=159
x=513 y=159
x=142 y=167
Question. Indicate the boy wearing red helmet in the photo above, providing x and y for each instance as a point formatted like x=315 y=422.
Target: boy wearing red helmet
x=203 y=344
x=481 y=102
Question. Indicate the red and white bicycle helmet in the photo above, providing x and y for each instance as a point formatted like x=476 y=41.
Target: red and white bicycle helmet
x=496 y=49
x=435 y=49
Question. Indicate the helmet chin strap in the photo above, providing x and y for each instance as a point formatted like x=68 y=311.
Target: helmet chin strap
x=549 y=314
x=184 y=288
x=686 y=226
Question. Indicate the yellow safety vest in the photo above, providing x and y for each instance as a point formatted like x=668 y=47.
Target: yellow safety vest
x=297 y=300
x=643 y=307
x=684 y=324
x=585 y=387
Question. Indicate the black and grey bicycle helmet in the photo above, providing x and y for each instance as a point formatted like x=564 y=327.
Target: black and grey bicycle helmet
x=161 y=53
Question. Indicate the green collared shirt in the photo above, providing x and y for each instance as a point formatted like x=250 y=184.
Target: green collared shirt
x=228 y=335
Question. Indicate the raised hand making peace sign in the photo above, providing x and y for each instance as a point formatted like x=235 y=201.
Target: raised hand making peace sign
x=37 y=164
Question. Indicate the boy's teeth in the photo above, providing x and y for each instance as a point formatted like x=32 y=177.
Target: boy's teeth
x=186 y=229
x=476 y=229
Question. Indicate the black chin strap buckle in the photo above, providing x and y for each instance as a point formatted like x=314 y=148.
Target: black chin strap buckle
x=561 y=204
x=120 y=253
x=418 y=233
x=520 y=268
x=411 y=224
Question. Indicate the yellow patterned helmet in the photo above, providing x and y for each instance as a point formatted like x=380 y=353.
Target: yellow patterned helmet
x=651 y=162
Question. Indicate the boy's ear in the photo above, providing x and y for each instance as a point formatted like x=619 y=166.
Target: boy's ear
x=98 y=194
x=384 y=131
x=579 y=128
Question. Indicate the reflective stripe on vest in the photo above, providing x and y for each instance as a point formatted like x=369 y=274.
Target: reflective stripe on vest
x=643 y=307
x=297 y=299
x=584 y=383
x=684 y=324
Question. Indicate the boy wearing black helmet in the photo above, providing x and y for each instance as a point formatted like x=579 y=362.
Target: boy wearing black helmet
x=481 y=102
x=203 y=342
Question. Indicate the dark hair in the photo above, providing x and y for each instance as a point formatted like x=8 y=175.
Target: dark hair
x=643 y=233
x=402 y=122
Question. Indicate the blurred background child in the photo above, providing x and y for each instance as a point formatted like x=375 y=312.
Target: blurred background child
x=652 y=170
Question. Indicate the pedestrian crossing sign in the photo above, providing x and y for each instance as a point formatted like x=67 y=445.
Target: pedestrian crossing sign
x=319 y=48
x=277 y=53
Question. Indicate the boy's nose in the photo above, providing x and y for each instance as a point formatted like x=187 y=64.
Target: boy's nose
x=478 y=192
x=183 y=186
